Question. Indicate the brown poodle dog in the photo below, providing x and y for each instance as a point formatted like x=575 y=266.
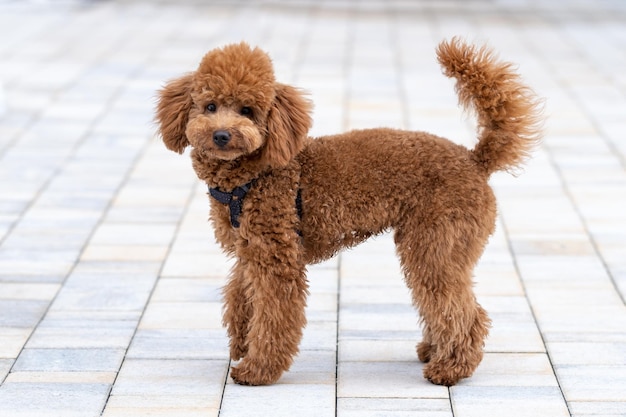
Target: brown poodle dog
x=281 y=200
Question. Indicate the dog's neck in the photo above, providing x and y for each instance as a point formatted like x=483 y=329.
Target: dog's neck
x=228 y=175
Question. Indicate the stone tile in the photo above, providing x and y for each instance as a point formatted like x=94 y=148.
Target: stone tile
x=373 y=293
x=182 y=315
x=171 y=378
x=140 y=271
x=68 y=360
x=312 y=367
x=12 y=341
x=52 y=399
x=144 y=193
x=587 y=353
x=513 y=332
x=401 y=407
x=577 y=245
x=319 y=335
x=196 y=264
x=313 y=400
x=34 y=263
x=28 y=291
x=84 y=334
x=592 y=382
x=511 y=401
x=497 y=281
x=398 y=317
x=384 y=350
x=10 y=276
x=44 y=237
x=323 y=277
x=124 y=253
x=179 y=344
x=160 y=406
x=30 y=312
x=114 y=293
x=133 y=234
x=414 y=334
x=195 y=238
x=158 y=214
x=60 y=377
x=595 y=408
x=321 y=302
x=606 y=335
x=102 y=318
x=513 y=369
x=188 y=289
x=5 y=367
x=386 y=380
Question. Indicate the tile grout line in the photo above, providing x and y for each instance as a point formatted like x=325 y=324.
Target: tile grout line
x=346 y=64
x=224 y=385
x=337 y=335
x=532 y=309
x=188 y=204
x=583 y=221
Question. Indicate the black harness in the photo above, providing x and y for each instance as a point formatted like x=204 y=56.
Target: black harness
x=234 y=201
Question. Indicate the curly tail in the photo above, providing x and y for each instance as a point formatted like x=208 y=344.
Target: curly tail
x=509 y=113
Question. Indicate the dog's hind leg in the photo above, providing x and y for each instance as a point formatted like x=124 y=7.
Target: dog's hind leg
x=438 y=263
x=237 y=311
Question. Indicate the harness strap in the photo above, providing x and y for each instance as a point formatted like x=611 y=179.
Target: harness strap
x=234 y=201
x=299 y=204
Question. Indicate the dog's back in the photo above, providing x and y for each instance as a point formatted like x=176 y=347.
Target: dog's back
x=364 y=182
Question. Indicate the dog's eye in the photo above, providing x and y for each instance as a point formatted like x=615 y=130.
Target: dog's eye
x=246 y=111
x=211 y=108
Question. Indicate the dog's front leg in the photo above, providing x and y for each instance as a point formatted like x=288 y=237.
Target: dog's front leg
x=237 y=311
x=277 y=293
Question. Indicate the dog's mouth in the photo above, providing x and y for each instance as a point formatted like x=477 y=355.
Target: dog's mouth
x=225 y=153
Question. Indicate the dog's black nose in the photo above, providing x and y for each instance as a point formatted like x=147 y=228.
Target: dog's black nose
x=221 y=138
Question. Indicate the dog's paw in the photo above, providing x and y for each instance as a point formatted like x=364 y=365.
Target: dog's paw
x=440 y=373
x=249 y=373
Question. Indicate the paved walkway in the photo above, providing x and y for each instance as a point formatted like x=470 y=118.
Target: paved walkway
x=109 y=277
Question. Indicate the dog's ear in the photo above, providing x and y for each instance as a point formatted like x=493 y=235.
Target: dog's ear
x=172 y=114
x=288 y=123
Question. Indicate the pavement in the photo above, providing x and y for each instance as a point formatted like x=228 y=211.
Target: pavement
x=109 y=275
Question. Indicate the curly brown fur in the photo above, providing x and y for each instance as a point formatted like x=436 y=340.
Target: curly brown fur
x=244 y=126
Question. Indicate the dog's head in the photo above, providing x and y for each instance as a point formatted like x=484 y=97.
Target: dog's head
x=232 y=107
